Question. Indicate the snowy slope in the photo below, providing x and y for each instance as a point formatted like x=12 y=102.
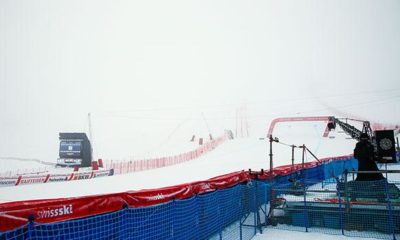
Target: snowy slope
x=231 y=156
x=23 y=165
x=234 y=155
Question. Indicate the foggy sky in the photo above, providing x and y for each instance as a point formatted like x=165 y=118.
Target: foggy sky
x=146 y=69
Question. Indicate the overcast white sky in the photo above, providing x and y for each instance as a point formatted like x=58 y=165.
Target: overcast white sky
x=149 y=68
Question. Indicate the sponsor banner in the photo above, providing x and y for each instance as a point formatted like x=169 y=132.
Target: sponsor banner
x=22 y=180
x=101 y=173
x=16 y=214
x=59 y=177
x=92 y=174
x=82 y=175
x=33 y=179
x=9 y=181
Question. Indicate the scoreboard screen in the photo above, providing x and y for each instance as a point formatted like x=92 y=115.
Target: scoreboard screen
x=70 y=149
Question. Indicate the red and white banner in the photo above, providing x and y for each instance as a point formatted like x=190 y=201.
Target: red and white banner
x=21 y=180
x=8 y=181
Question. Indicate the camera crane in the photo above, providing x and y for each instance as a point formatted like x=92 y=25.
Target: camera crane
x=382 y=136
x=350 y=129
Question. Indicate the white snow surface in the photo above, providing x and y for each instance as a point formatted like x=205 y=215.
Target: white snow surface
x=233 y=155
x=271 y=233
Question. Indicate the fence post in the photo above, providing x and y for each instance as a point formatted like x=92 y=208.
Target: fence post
x=31 y=219
x=122 y=220
x=174 y=213
x=305 y=212
x=267 y=193
x=389 y=207
x=220 y=211
x=240 y=230
x=242 y=209
x=305 y=209
x=341 y=215
x=255 y=208
x=258 y=223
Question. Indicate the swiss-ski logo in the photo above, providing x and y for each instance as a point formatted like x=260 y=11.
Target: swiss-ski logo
x=54 y=212
x=156 y=197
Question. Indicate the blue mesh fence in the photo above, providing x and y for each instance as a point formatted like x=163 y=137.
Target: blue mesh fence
x=231 y=213
x=186 y=219
x=106 y=226
x=320 y=199
x=365 y=209
x=19 y=233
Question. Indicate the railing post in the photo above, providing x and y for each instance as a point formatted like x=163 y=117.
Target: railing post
x=122 y=220
x=346 y=189
x=265 y=205
x=389 y=207
x=305 y=212
x=258 y=223
x=221 y=228
x=271 y=163
x=173 y=219
x=255 y=208
x=341 y=214
x=240 y=230
x=243 y=212
x=31 y=219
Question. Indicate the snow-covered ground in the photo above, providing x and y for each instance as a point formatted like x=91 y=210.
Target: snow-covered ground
x=270 y=233
x=233 y=155
x=12 y=167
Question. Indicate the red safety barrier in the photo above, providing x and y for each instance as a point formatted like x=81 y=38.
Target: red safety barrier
x=95 y=166
x=146 y=164
x=15 y=214
x=101 y=163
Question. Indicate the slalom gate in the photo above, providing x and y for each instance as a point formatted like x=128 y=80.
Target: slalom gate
x=232 y=206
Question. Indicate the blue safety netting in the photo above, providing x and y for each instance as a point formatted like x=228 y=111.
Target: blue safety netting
x=342 y=206
x=237 y=212
x=222 y=214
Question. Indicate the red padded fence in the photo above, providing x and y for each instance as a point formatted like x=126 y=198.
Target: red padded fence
x=15 y=214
